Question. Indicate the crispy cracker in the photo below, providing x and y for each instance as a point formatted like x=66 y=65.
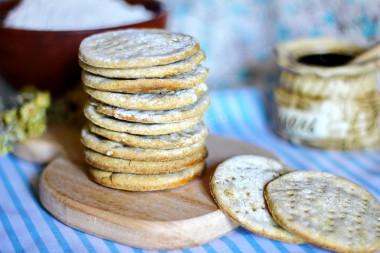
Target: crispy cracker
x=179 y=139
x=164 y=116
x=191 y=78
x=134 y=182
x=137 y=128
x=118 y=150
x=159 y=71
x=155 y=101
x=237 y=186
x=136 y=48
x=327 y=210
x=112 y=164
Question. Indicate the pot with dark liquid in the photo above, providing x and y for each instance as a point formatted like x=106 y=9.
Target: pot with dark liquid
x=324 y=102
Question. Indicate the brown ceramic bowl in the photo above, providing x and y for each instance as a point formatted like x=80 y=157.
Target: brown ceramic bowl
x=49 y=59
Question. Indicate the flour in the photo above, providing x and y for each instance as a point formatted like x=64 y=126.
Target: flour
x=56 y=15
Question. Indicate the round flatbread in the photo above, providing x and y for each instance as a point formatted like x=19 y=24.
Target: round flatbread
x=136 y=48
x=191 y=78
x=164 y=116
x=237 y=186
x=134 y=182
x=137 y=128
x=113 y=164
x=158 y=71
x=118 y=150
x=184 y=138
x=155 y=101
x=326 y=210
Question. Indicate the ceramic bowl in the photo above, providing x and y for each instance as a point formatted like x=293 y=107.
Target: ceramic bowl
x=49 y=59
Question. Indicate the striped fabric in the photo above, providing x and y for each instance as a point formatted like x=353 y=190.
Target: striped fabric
x=26 y=227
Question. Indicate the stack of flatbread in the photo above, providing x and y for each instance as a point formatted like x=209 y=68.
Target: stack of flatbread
x=147 y=97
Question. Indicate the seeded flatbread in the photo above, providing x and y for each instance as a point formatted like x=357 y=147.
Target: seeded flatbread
x=137 y=128
x=237 y=186
x=136 y=48
x=112 y=164
x=155 y=101
x=118 y=150
x=191 y=78
x=179 y=139
x=327 y=210
x=134 y=182
x=164 y=116
x=149 y=72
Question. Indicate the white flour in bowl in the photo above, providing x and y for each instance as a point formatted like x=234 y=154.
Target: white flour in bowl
x=65 y=15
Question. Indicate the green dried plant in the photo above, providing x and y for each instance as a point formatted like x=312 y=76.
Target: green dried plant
x=25 y=119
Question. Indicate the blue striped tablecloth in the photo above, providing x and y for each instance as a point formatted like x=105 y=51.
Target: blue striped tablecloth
x=26 y=226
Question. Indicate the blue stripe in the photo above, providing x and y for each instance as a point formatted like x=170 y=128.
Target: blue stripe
x=50 y=222
x=280 y=246
x=308 y=248
x=24 y=215
x=373 y=158
x=111 y=246
x=341 y=167
x=354 y=175
x=249 y=237
x=186 y=251
x=363 y=167
x=10 y=232
x=230 y=244
x=208 y=248
x=83 y=237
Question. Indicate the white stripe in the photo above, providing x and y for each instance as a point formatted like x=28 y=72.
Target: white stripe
x=6 y=244
x=67 y=232
x=220 y=246
x=31 y=207
x=97 y=243
x=15 y=218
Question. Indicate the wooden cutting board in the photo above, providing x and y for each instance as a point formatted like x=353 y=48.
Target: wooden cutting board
x=179 y=218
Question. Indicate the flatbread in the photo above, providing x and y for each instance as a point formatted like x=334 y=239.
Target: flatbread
x=155 y=101
x=237 y=186
x=326 y=210
x=137 y=128
x=134 y=182
x=191 y=78
x=112 y=164
x=158 y=71
x=164 y=116
x=118 y=150
x=184 y=138
x=136 y=48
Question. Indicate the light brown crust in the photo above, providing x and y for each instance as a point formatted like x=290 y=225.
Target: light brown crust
x=184 y=138
x=326 y=210
x=136 y=48
x=137 y=128
x=113 y=164
x=237 y=186
x=156 y=101
x=164 y=116
x=159 y=71
x=118 y=150
x=134 y=182
x=191 y=78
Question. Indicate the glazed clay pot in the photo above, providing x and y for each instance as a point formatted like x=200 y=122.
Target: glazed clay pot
x=324 y=102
